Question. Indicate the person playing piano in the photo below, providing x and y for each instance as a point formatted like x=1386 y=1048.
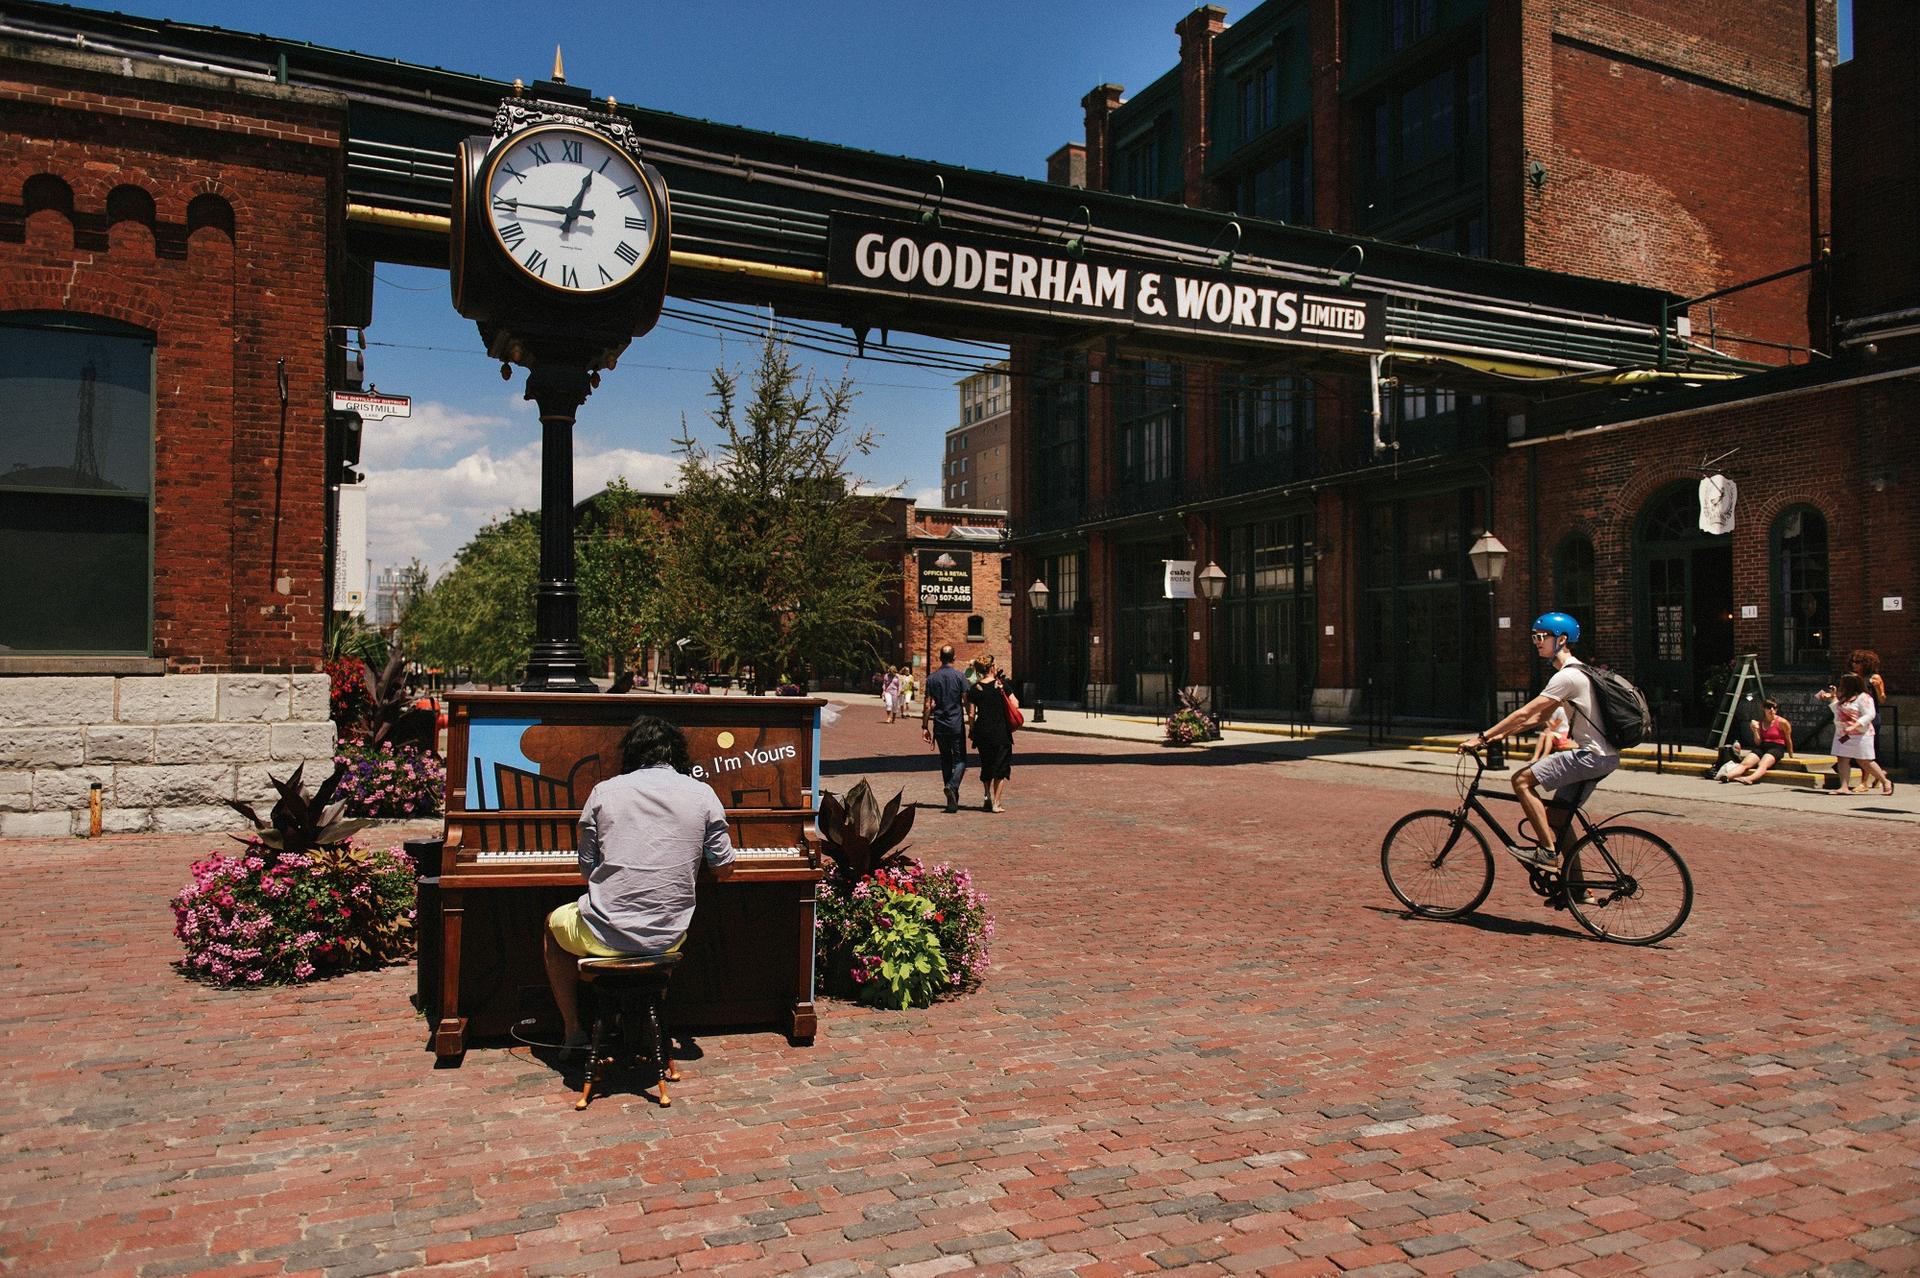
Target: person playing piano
x=643 y=837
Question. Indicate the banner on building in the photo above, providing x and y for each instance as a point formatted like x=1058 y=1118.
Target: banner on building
x=350 y=548
x=1180 y=578
x=1717 y=496
x=903 y=259
x=946 y=579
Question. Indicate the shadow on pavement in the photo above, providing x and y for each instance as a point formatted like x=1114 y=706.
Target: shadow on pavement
x=929 y=762
x=1489 y=923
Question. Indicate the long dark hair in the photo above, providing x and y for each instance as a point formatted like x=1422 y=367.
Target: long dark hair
x=1851 y=686
x=652 y=741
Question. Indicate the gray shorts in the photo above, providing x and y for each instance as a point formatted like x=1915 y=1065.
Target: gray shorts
x=1572 y=774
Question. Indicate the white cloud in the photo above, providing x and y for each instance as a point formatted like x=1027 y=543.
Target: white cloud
x=434 y=430
x=417 y=509
x=927 y=497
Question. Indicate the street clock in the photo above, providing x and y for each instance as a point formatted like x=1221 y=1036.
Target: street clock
x=560 y=230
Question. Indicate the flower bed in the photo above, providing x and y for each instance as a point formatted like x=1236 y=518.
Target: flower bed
x=382 y=781
x=260 y=919
x=1187 y=726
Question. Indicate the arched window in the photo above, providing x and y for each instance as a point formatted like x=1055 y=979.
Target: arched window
x=1800 y=616
x=1573 y=577
x=976 y=629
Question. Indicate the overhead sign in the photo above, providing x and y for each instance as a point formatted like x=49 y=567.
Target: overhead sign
x=946 y=579
x=909 y=260
x=372 y=406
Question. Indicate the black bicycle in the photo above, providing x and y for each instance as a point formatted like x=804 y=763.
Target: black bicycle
x=1620 y=883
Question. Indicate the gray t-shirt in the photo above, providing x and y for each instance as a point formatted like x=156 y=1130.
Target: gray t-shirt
x=1574 y=688
x=642 y=837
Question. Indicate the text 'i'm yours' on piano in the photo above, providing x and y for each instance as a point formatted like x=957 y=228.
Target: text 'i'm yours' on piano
x=519 y=768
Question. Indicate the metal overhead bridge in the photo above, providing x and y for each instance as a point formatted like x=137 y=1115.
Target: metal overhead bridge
x=752 y=215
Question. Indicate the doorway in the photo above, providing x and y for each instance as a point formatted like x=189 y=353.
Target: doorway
x=1684 y=605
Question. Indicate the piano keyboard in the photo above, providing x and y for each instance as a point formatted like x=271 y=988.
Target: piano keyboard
x=542 y=856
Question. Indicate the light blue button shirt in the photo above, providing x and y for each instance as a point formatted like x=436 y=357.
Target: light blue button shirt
x=643 y=836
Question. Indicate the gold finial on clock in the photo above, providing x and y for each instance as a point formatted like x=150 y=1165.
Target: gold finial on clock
x=519 y=86
x=559 y=71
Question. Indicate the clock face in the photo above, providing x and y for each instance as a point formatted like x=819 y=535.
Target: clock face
x=569 y=208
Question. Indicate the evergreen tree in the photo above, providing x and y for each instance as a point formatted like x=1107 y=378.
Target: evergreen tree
x=767 y=566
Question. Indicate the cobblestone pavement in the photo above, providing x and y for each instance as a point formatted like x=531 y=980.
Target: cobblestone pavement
x=1208 y=1045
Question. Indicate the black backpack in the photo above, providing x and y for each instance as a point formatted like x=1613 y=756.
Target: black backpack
x=1625 y=720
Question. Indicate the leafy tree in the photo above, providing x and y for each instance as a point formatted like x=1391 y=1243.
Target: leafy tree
x=480 y=614
x=767 y=564
x=617 y=549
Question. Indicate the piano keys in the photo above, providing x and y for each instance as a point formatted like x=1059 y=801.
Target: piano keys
x=520 y=766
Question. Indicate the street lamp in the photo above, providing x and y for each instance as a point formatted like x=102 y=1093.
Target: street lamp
x=1213 y=584
x=1037 y=597
x=1488 y=556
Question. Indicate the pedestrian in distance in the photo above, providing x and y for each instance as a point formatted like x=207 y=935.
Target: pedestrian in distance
x=943 y=722
x=1772 y=742
x=890 y=694
x=643 y=837
x=988 y=714
x=1853 y=729
x=1570 y=774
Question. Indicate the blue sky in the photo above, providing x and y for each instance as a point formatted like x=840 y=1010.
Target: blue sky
x=991 y=84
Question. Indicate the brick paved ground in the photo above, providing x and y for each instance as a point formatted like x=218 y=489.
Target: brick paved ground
x=1207 y=1046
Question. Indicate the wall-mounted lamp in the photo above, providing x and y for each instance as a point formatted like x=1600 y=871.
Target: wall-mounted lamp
x=1536 y=175
x=1224 y=260
x=1359 y=255
x=1880 y=480
x=1077 y=239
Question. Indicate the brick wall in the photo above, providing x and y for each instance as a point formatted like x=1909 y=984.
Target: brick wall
x=1824 y=449
x=231 y=276
x=1682 y=154
x=951 y=627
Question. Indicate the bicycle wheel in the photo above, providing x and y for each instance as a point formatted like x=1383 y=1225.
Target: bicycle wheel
x=1434 y=867
x=1627 y=886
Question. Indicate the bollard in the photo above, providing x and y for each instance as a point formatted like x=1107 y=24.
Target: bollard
x=1039 y=712
x=93 y=810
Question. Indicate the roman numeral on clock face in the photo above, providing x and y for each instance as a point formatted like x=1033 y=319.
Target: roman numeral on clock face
x=625 y=191
x=636 y=224
x=627 y=253
x=511 y=234
x=516 y=174
x=604 y=277
x=569 y=278
x=538 y=152
x=537 y=262
x=570 y=150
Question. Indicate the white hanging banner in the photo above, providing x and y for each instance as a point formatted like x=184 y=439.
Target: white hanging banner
x=1717 y=495
x=1180 y=578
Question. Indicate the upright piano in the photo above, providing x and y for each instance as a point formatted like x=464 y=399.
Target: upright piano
x=519 y=769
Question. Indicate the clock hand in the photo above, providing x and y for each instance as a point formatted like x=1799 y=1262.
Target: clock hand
x=544 y=208
x=573 y=210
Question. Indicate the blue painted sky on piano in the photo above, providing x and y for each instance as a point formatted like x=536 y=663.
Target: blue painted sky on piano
x=988 y=85
x=994 y=84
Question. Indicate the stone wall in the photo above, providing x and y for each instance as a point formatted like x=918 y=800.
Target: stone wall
x=165 y=751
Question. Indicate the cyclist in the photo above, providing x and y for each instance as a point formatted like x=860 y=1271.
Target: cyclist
x=1571 y=774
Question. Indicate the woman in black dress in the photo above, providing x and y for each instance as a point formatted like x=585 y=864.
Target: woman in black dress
x=992 y=731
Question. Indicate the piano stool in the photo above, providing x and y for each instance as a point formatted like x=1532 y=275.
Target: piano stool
x=627 y=994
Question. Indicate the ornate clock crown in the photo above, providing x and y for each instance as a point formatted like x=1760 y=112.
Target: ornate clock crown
x=554 y=101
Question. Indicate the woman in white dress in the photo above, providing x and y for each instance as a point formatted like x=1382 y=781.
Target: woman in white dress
x=1853 y=716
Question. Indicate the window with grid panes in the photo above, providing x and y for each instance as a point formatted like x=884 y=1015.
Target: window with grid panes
x=1059 y=430
x=76 y=485
x=1800 y=602
x=1147 y=422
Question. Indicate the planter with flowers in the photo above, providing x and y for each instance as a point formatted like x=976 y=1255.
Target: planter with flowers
x=892 y=932
x=698 y=688
x=299 y=901
x=1190 y=724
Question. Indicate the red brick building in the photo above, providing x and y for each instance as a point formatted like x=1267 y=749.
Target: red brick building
x=1689 y=148
x=187 y=214
x=166 y=256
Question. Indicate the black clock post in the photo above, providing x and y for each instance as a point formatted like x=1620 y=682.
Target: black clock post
x=559 y=246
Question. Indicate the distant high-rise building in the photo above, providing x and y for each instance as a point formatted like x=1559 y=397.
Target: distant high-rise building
x=973 y=471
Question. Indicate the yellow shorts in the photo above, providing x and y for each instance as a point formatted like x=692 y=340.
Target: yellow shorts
x=576 y=938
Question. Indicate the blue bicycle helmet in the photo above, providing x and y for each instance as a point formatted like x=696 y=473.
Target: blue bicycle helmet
x=1558 y=623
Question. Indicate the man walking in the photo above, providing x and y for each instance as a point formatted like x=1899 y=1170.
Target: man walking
x=943 y=722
